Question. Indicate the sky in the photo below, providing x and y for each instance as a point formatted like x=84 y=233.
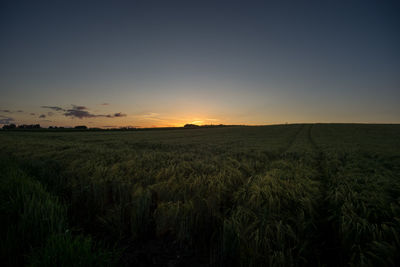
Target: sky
x=168 y=63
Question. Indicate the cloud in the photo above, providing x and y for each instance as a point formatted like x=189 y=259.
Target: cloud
x=150 y=115
x=105 y=104
x=79 y=107
x=33 y=114
x=54 y=108
x=80 y=112
x=119 y=114
x=10 y=111
x=42 y=116
x=6 y=120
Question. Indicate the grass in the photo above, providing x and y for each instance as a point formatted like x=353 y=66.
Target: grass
x=288 y=195
x=34 y=226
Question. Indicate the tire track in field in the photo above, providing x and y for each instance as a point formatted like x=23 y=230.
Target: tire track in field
x=156 y=250
x=326 y=244
x=280 y=154
x=292 y=141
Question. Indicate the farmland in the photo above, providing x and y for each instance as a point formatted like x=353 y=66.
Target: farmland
x=284 y=195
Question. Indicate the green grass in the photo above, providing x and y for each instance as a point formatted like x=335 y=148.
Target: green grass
x=34 y=228
x=288 y=195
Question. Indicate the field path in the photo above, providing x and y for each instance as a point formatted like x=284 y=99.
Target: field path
x=294 y=139
x=326 y=245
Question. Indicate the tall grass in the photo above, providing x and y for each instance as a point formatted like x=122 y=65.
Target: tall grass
x=366 y=216
x=34 y=226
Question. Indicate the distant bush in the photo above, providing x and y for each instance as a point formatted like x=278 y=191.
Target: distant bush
x=191 y=126
x=22 y=126
x=81 y=127
x=9 y=126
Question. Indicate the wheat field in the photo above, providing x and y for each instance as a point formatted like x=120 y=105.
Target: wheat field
x=283 y=195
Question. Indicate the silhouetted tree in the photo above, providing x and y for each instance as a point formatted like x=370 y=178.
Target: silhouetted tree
x=81 y=127
x=191 y=126
x=9 y=126
x=29 y=126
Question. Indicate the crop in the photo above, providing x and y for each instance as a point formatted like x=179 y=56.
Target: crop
x=285 y=195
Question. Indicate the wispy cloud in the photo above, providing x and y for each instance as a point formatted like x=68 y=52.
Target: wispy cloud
x=79 y=107
x=11 y=111
x=6 y=120
x=105 y=104
x=150 y=115
x=118 y=114
x=154 y=119
x=54 y=108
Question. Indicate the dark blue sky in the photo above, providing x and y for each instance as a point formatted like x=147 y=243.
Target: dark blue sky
x=172 y=62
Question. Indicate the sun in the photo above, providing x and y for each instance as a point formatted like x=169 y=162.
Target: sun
x=197 y=122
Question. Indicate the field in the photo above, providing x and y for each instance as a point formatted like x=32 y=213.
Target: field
x=284 y=195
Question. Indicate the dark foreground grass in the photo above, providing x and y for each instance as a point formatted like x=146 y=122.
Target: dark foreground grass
x=290 y=195
x=34 y=226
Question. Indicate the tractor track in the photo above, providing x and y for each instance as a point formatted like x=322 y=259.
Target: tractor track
x=326 y=245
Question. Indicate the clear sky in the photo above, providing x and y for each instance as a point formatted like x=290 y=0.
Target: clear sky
x=167 y=63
